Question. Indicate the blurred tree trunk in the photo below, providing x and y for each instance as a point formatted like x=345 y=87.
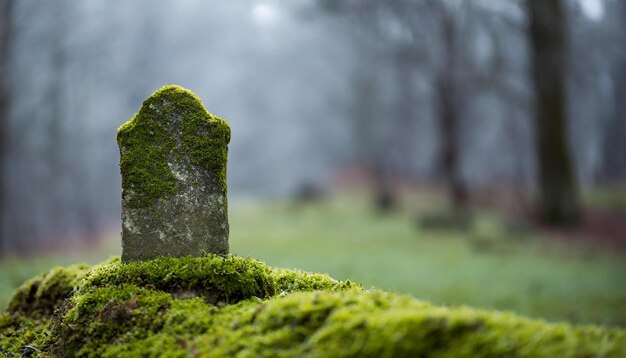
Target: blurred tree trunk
x=57 y=139
x=6 y=16
x=55 y=93
x=447 y=105
x=557 y=182
x=614 y=145
x=367 y=146
x=449 y=155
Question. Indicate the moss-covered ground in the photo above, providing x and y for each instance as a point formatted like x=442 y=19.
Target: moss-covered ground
x=232 y=306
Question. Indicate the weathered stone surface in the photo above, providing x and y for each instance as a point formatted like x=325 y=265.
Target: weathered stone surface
x=173 y=164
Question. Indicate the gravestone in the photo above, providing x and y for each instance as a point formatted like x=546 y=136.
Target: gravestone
x=173 y=157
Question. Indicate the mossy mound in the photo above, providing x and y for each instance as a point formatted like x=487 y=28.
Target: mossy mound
x=232 y=306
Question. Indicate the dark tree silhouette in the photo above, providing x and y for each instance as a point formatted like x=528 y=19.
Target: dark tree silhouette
x=6 y=16
x=448 y=106
x=548 y=49
x=614 y=148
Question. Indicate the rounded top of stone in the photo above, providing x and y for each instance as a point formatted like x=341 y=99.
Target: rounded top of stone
x=175 y=93
x=173 y=97
x=173 y=90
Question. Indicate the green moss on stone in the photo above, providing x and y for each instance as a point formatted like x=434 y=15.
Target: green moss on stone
x=146 y=147
x=231 y=306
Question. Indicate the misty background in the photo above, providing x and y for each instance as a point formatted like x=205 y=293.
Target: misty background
x=320 y=95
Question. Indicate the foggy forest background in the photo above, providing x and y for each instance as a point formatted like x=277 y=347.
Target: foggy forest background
x=319 y=94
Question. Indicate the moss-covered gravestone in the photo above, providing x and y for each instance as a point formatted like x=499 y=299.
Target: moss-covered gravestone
x=173 y=164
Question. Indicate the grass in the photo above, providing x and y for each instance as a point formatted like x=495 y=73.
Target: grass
x=486 y=265
x=609 y=197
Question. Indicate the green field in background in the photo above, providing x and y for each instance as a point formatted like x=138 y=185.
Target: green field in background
x=485 y=265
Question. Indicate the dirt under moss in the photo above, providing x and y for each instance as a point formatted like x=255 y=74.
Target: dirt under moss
x=231 y=306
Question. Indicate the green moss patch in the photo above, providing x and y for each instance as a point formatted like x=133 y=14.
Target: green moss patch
x=20 y=333
x=379 y=324
x=231 y=306
x=220 y=280
x=42 y=294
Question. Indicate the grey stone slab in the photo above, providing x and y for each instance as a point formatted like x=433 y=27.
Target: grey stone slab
x=173 y=156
